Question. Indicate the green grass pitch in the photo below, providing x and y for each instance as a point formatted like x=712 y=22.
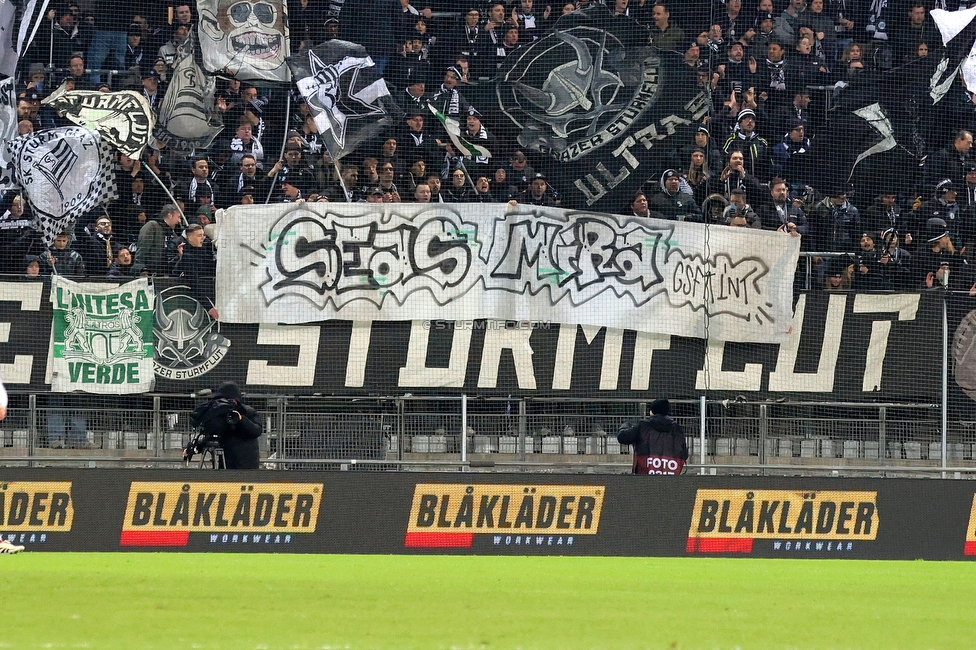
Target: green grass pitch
x=240 y=601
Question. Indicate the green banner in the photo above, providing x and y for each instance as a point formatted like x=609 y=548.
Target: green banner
x=102 y=337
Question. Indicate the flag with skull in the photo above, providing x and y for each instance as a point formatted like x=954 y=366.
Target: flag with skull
x=244 y=38
x=347 y=98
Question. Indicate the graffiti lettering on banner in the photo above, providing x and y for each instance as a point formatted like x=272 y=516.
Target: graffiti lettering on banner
x=450 y=515
x=164 y=514
x=730 y=521
x=312 y=262
x=102 y=337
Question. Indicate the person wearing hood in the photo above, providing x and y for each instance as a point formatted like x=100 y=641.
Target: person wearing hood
x=235 y=425
x=658 y=441
x=673 y=203
x=755 y=149
x=885 y=214
x=62 y=259
x=32 y=268
x=896 y=262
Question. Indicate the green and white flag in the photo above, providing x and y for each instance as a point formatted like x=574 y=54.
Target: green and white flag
x=102 y=337
x=453 y=128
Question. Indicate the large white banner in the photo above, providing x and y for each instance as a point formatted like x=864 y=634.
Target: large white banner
x=306 y=262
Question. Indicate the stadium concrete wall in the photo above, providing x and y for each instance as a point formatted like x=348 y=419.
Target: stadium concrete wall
x=496 y=514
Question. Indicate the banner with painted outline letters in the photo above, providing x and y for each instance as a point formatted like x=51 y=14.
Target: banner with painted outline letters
x=301 y=263
x=843 y=347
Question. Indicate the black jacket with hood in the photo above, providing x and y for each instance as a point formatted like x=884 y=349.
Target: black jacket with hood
x=236 y=425
x=657 y=435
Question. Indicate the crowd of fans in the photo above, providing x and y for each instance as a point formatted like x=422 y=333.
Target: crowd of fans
x=772 y=66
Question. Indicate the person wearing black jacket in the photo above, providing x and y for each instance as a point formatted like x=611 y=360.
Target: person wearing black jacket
x=658 y=441
x=236 y=426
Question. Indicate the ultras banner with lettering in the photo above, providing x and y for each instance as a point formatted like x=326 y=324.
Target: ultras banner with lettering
x=843 y=347
x=301 y=263
x=102 y=337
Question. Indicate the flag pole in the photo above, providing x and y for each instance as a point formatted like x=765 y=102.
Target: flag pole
x=281 y=153
x=172 y=198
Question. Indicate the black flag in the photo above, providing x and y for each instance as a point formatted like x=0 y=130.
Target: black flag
x=348 y=100
x=604 y=108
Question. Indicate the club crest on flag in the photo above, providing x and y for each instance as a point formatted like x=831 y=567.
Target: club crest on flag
x=185 y=121
x=64 y=172
x=348 y=100
x=590 y=96
x=124 y=119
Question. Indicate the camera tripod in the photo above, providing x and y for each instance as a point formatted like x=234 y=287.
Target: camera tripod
x=212 y=456
x=210 y=452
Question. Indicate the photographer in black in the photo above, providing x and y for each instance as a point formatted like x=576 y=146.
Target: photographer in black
x=658 y=441
x=235 y=425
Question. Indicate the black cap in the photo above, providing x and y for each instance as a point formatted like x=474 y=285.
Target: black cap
x=135 y=30
x=539 y=176
x=969 y=166
x=150 y=73
x=375 y=191
x=661 y=406
x=943 y=186
x=837 y=265
x=474 y=112
x=669 y=173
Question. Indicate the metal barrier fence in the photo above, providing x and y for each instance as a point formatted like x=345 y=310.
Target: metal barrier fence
x=527 y=434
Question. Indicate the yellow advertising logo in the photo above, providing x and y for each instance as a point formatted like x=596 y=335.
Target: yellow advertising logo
x=159 y=514
x=36 y=506
x=729 y=520
x=448 y=515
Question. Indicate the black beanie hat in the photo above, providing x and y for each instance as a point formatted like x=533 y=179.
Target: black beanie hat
x=660 y=406
x=228 y=390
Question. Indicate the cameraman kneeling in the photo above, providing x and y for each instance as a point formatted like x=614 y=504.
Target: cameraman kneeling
x=234 y=424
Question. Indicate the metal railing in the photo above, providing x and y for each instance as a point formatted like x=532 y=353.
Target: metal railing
x=412 y=433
